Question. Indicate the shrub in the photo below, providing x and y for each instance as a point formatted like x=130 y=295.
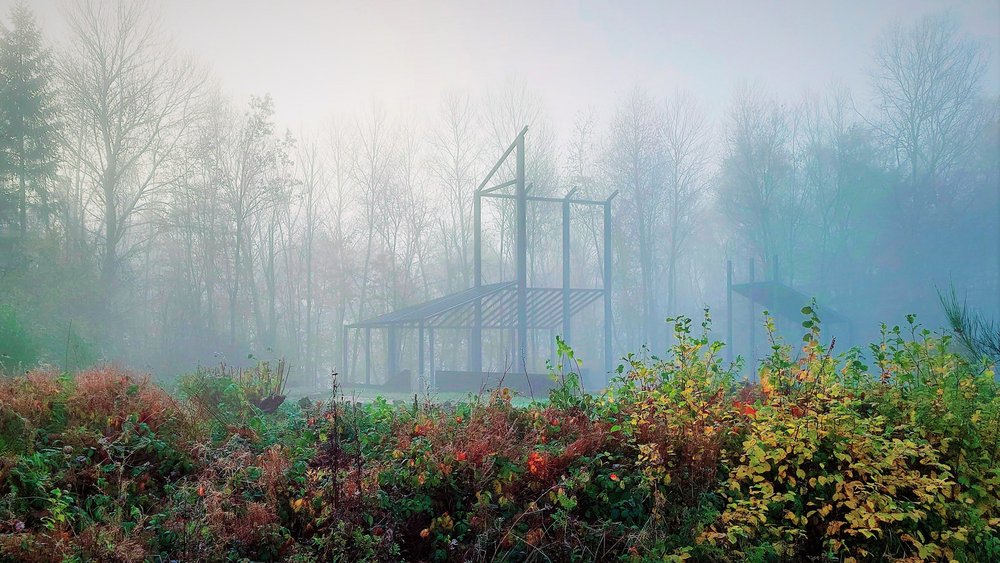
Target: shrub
x=17 y=347
x=26 y=404
x=826 y=457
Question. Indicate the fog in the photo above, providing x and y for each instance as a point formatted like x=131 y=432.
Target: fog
x=193 y=183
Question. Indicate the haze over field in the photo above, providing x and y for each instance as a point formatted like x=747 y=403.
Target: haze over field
x=188 y=182
x=319 y=59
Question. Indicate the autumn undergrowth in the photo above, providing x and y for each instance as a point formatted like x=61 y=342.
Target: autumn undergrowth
x=886 y=452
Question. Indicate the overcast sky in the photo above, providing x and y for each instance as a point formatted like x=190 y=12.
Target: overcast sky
x=321 y=57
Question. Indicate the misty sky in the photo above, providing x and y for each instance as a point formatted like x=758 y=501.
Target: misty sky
x=316 y=57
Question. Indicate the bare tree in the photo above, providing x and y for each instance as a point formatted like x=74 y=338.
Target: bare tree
x=508 y=108
x=339 y=229
x=135 y=100
x=755 y=179
x=457 y=150
x=686 y=156
x=634 y=162
x=246 y=153
x=927 y=81
x=583 y=171
x=314 y=181
x=373 y=171
x=838 y=168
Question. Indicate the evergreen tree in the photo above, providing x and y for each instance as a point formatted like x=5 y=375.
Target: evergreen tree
x=27 y=115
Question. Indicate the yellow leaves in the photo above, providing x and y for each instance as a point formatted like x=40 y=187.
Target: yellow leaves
x=297 y=504
x=766 y=491
x=928 y=551
x=960 y=534
x=444 y=522
x=765 y=381
x=794 y=518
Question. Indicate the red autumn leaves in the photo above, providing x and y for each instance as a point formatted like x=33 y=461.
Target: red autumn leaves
x=749 y=410
x=538 y=463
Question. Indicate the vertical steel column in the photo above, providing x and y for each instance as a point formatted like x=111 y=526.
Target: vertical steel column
x=567 y=326
x=392 y=352
x=553 y=350
x=606 y=285
x=521 y=252
x=420 y=356
x=368 y=356
x=751 y=356
x=476 y=334
x=433 y=381
x=774 y=288
x=729 y=310
x=344 y=354
x=512 y=341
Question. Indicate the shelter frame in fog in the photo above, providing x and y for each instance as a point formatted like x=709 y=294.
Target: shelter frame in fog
x=777 y=298
x=508 y=304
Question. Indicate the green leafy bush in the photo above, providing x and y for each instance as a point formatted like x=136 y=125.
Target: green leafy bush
x=888 y=454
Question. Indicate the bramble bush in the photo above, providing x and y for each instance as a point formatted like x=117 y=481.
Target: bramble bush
x=884 y=453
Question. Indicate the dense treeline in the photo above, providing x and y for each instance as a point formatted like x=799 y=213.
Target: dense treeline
x=147 y=217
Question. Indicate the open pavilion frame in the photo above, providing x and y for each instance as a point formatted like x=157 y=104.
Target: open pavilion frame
x=511 y=305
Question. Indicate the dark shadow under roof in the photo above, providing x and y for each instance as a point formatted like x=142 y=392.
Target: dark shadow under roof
x=783 y=300
x=499 y=308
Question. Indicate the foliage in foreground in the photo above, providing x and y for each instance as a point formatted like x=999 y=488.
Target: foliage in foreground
x=825 y=458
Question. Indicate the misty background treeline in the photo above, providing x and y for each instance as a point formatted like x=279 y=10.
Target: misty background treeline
x=148 y=218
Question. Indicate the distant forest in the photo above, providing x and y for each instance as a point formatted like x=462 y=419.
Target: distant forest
x=147 y=218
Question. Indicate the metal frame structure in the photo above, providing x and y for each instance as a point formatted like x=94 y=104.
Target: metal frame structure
x=778 y=298
x=509 y=304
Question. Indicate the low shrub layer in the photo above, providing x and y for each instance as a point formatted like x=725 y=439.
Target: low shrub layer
x=822 y=457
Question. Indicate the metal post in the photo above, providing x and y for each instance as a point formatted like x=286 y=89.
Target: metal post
x=433 y=366
x=729 y=311
x=521 y=252
x=392 y=352
x=420 y=356
x=567 y=326
x=368 y=356
x=476 y=335
x=774 y=289
x=512 y=340
x=606 y=286
x=753 y=326
x=342 y=372
x=553 y=350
